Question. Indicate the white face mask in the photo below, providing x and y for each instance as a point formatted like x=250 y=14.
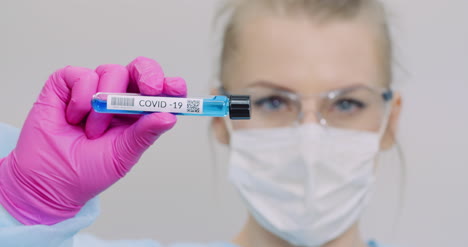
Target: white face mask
x=306 y=184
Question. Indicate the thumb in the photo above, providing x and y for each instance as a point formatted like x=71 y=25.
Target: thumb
x=136 y=139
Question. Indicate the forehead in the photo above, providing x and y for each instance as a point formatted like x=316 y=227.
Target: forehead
x=306 y=56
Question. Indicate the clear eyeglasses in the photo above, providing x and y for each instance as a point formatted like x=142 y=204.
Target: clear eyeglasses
x=356 y=108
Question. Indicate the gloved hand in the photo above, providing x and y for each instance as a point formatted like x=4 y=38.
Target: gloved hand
x=67 y=153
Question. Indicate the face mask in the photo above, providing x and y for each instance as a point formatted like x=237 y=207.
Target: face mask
x=307 y=185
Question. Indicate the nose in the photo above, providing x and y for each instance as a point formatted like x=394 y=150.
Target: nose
x=309 y=117
x=309 y=112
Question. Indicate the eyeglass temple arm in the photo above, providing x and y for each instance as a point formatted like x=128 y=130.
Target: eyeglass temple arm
x=387 y=95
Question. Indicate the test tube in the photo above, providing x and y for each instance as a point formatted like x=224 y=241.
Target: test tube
x=236 y=106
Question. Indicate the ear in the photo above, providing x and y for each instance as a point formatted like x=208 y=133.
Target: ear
x=218 y=126
x=389 y=138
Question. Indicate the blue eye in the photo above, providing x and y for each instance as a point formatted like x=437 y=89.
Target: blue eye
x=348 y=105
x=272 y=103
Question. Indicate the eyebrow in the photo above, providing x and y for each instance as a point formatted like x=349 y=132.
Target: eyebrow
x=272 y=85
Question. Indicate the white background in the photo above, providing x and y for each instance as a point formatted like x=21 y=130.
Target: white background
x=178 y=191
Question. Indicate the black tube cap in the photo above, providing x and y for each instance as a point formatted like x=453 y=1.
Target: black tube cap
x=239 y=107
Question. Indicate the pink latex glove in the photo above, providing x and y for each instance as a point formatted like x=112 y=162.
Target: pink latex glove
x=67 y=153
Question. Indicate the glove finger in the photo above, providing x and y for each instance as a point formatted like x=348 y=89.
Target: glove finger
x=146 y=76
x=175 y=86
x=83 y=82
x=67 y=95
x=112 y=79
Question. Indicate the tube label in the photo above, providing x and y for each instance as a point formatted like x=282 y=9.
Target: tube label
x=154 y=104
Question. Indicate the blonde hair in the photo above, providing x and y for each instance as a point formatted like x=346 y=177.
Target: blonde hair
x=317 y=10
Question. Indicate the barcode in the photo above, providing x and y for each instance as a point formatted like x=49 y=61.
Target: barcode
x=193 y=106
x=120 y=101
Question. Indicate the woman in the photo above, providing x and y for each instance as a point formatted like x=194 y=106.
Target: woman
x=319 y=76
